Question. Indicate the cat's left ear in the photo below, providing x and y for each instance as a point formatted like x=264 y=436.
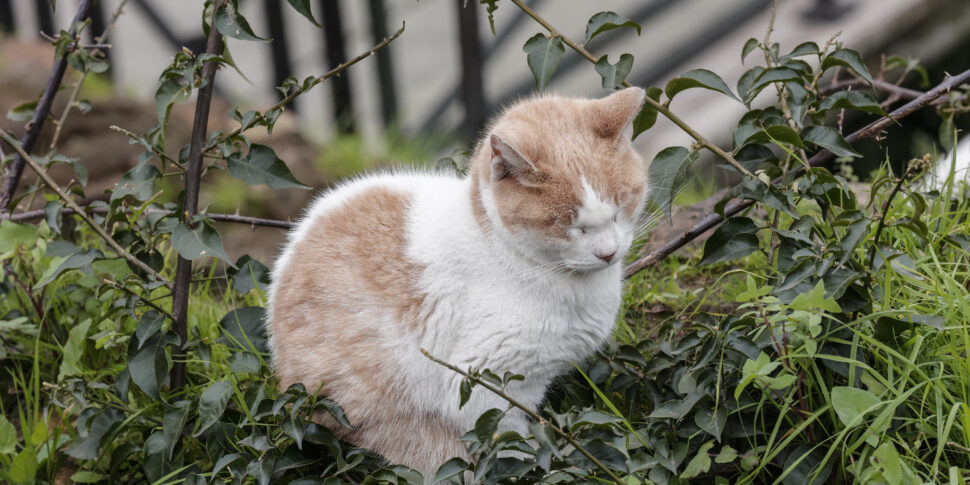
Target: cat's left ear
x=613 y=114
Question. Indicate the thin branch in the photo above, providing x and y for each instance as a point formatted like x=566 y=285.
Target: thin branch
x=823 y=156
x=77 y=209
x=233 y=218
x=528 y=411
x=704 y=142
x=16 y=169
x=904 y=93
x=319 y=79
x=121 y=287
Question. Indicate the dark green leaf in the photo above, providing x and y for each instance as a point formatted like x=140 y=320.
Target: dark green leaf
x=74 y=261
x=231 y=23
x=147 y=364
x=613 y=75
x=732 y=240
x=543 y=55
x=293 y=429
x=711 y=420
x=251 y=273
x=603 y=21
x=169 y=92
x=174 y=422
x=139 y=182
x=450 y=468
x=803 y=49
x=303 y=6
x=22 y=112
x=804 y=466
x=676 y=408
x=52 y=214
x=857 y=100
x=749 y=46
x=829 y=139
x=666 y=173
x=90 y=432
x=212 y=404
x=149 y=324
x=648 y=114
x=764 y=78
x=698 y=78
x=748 y=134
x=486 y=424
x=464 y=392
x=262 y=166
x=201 y=241
x=244 y=330
x=847 y=58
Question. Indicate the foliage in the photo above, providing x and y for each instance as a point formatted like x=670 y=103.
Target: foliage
x=828 y=346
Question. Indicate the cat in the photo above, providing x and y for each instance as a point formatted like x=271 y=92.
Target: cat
x=515 y=267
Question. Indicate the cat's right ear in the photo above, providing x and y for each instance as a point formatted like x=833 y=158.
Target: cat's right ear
x=507 y=161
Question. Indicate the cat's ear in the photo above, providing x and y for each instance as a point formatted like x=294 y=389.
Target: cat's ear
x=613 y=114
x=507 y=161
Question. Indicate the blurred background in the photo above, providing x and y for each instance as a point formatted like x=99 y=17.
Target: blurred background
x=430 y=92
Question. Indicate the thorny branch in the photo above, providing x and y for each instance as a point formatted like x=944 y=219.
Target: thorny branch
x=823 y=156
x=704 y=142
x=15 y=170
x=234 y=218
x=528 y=411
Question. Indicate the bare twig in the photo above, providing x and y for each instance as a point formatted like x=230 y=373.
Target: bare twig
x=234 y=218
x=193 y=179
x=823 y=156
x=904 y=93
x=704 y=142
x=16 y=169
x=77 y=209
x=536 y=416
x=121 y=287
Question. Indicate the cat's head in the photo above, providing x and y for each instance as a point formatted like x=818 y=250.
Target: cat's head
x=558 y=179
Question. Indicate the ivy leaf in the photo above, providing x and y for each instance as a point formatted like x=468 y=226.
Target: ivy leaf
x=139 y=182
x=700 y=463
x=829 y=139
x=251 y=273
x=203 y=240
x=711 y=420
x=857 y=100
x=604 y=21
x=212 y=404
x=303 y=6
x=262 y=166
x=698 y=78
x=734 y=239
x=648 y=114
x=543 y=55
x=231 y=23
x=613 y=75
x=851 y=404
x=666 y=173
x=847 y=58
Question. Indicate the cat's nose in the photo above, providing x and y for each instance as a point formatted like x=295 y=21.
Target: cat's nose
x=606 y=256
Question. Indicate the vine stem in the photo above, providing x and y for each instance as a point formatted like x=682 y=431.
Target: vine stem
x=698 y=138
x=528 y=411
x=235 y=218
x=7 y=137
x=13 y=172
x=823 y=156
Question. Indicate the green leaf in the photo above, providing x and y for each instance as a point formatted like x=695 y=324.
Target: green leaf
x=169 y=92
x=749 y=133
x=262 y=166
x=139 y=182
x=749 y=46
x=147 y=364
x=91 y=431
x=735 y=238
x=847 y=58
x=243 y=327
x=14 y=234
x=604 y=21
x=52 y=214
x=676 y=408
x=829 y=139
x=487 y=423
x=23 y=468
x=543 y=55
x=887 y=459
x=727 y=455
x=212 y=404
x=648 y=114
x=172 y=426
x=857 y=100
x=8 y=436
x=698 y=78
x=86 y=476
x=700 y=463
x=764 y=78
x=22 y=112
x=303 y=6
x=73 y=350
x=711 y=420
x=613 y=75
x=149 y=324
x=815 y=300
x=851 y=404
x=203 y=240
x=231 y=23
x=449 y=469
x=74 y=261
x=490 y=7
x=803 y=49
x=667 y=173
x=251 y=274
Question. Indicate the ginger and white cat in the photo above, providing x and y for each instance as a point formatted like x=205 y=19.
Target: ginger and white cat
x=516 y=267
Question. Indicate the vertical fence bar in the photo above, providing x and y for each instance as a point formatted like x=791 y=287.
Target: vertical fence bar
x=279 y=47
x=6 y=16
x=97 y=29
x=385 y=69
x=333 y=34
x=472 y=89
x=45 y=17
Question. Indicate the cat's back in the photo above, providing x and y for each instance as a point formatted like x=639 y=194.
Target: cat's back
x=345 y=272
